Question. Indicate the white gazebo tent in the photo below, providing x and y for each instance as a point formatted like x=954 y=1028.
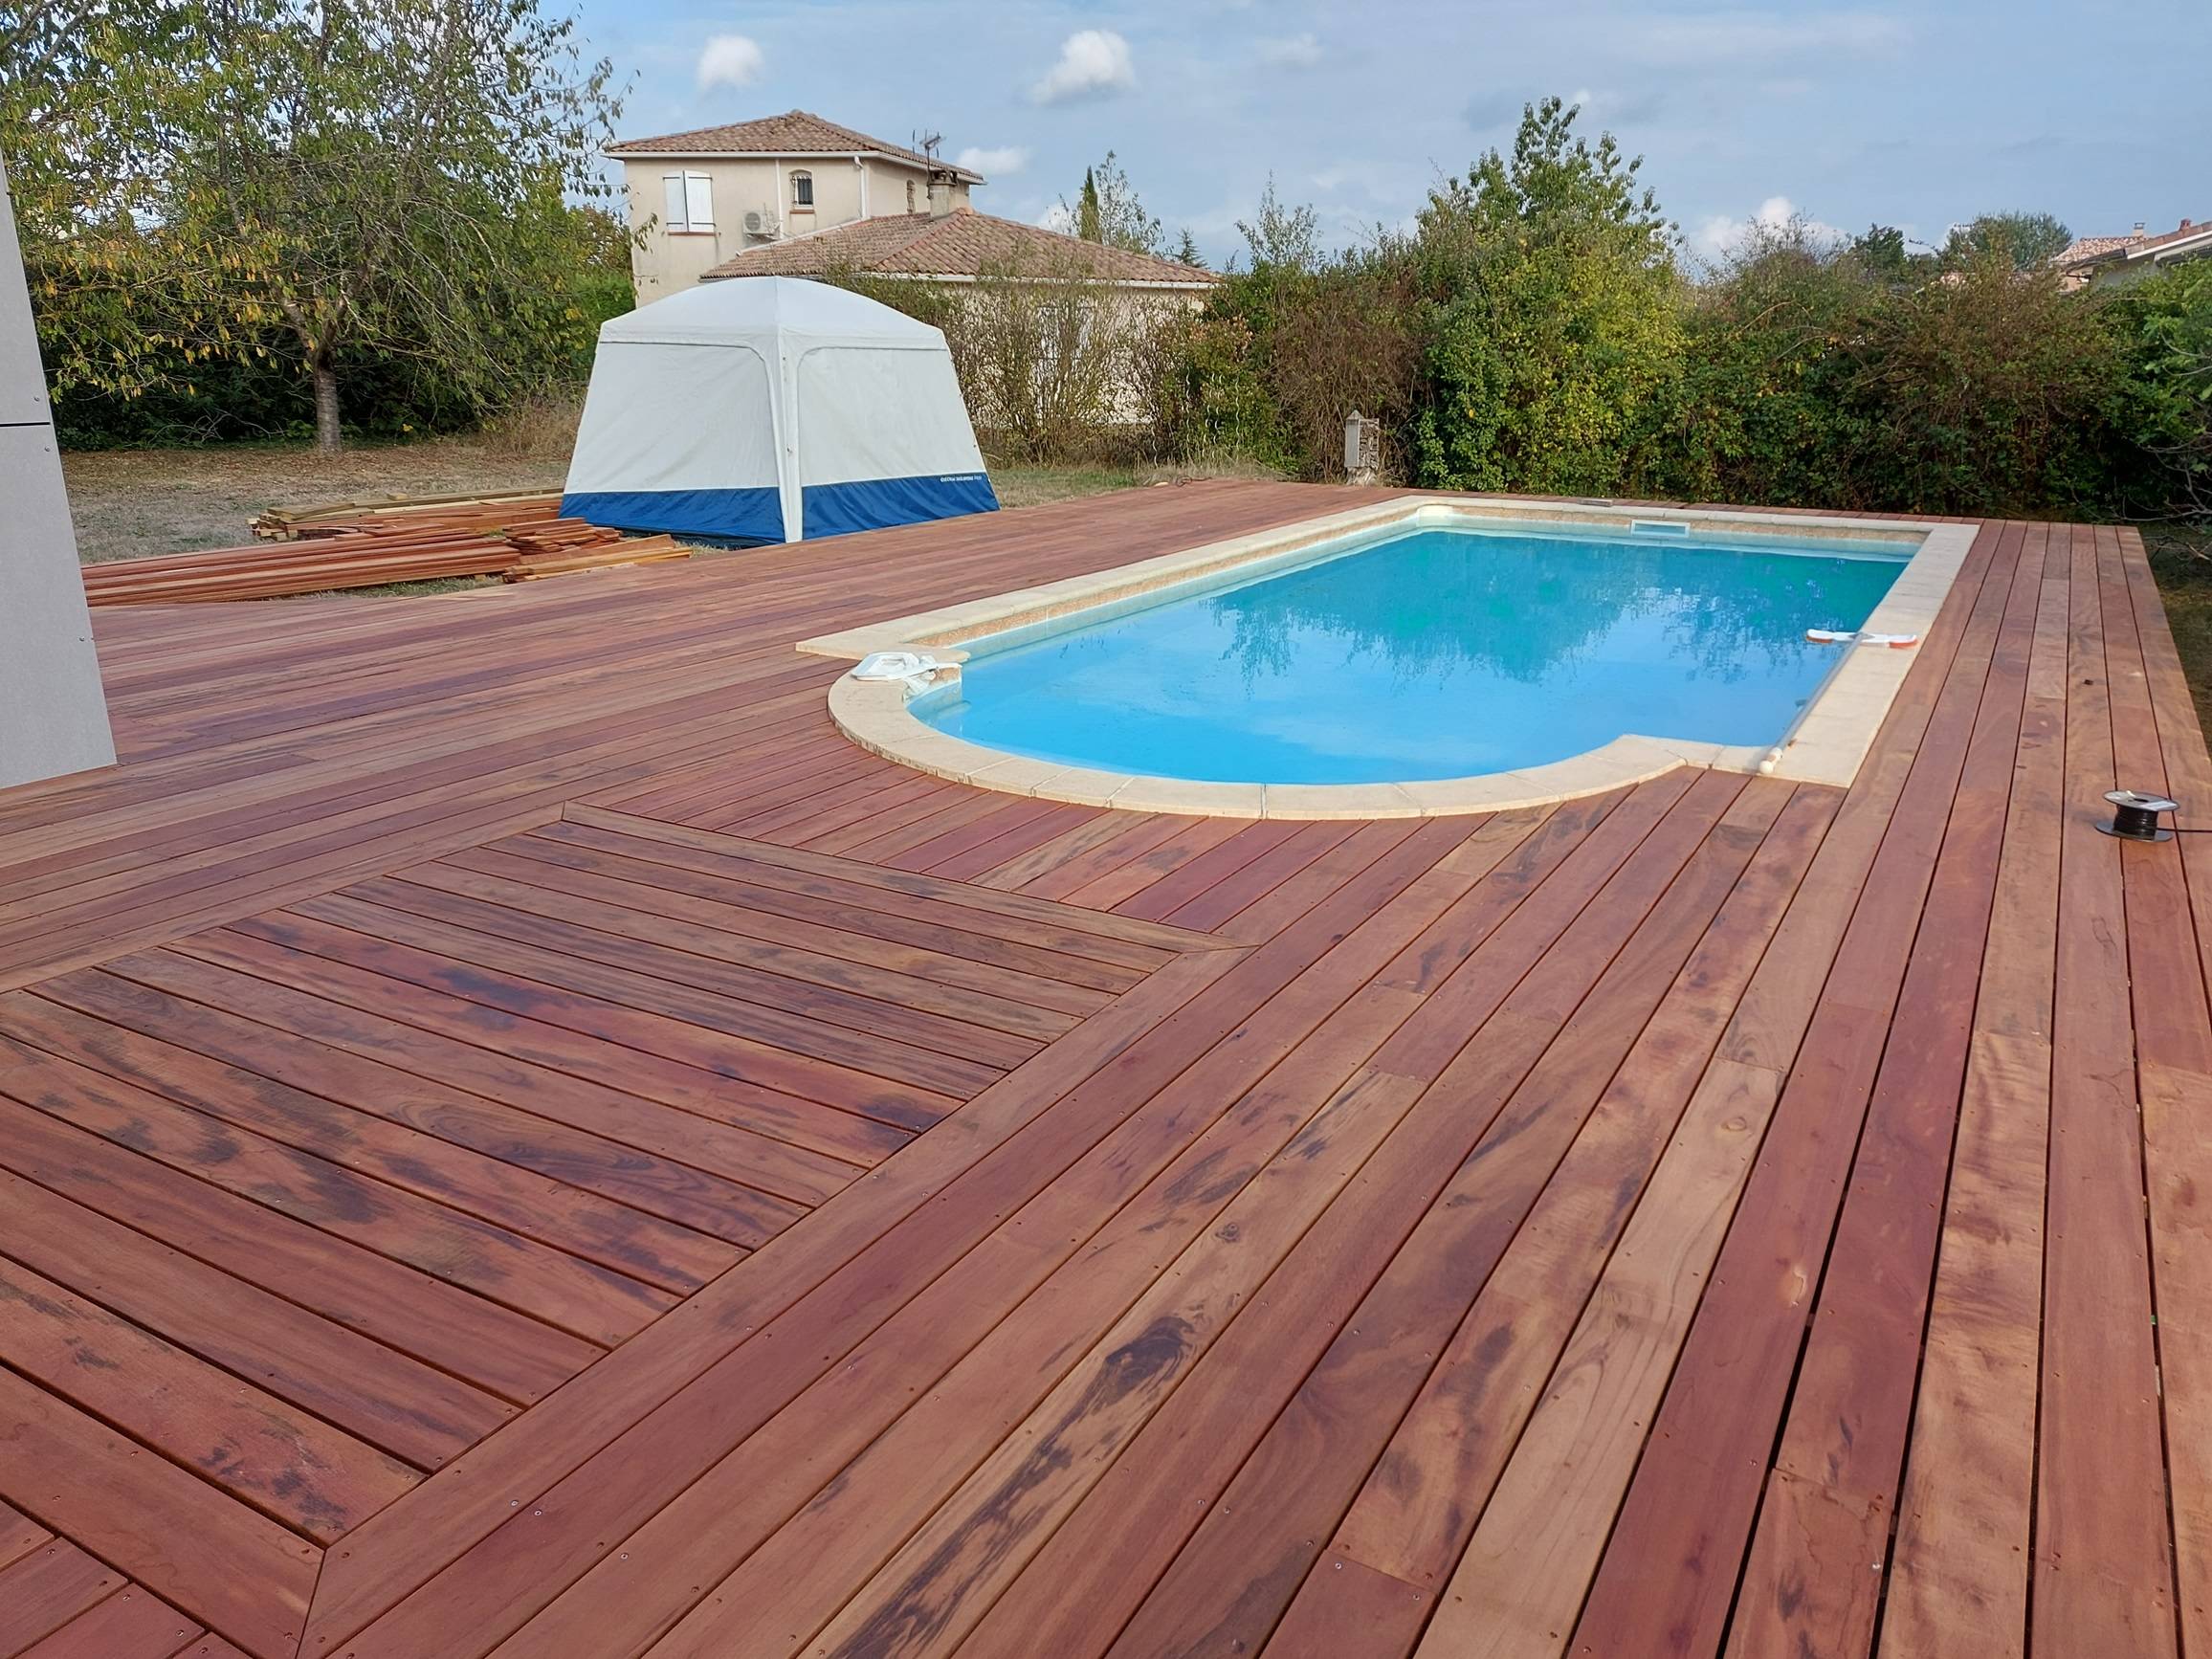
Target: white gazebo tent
x=772 y=409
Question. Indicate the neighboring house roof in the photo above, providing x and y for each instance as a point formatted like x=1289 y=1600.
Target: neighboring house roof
x=2086 y=251
x=2083 y=249
x=960 y=244
x=794 y=132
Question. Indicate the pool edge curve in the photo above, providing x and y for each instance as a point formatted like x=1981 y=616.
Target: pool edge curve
x=1825 y=744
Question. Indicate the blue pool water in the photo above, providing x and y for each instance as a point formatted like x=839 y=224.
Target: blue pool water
x=1435 y=654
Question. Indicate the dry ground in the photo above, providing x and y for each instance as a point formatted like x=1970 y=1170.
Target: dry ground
x=129 y=502
x=2181 y=559
x=135 y=501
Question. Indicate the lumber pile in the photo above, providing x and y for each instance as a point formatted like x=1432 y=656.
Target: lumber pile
x=408 y=512
x=349 y=545
x=566 y=545
x=546 y=544
x=259 y=570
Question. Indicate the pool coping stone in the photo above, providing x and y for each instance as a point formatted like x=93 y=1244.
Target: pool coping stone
x=1825 y=744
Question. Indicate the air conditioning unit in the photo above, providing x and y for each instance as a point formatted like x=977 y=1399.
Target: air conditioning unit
x=759 y=224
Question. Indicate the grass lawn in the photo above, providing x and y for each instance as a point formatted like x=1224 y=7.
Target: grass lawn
x=2181 y=559
x=133 y=502
x=128 y=503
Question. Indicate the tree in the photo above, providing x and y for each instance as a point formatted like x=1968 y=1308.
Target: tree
x=2027 y=239
x=1553 y=322
x=71 y=160
x=1090 y=222
x=1106 y=211
x=339 y=181
x=1279 y=237
x=1186 y=251
x=1980 y=394
x=2162 y=412
x=1764 y=412
x=1883 y=253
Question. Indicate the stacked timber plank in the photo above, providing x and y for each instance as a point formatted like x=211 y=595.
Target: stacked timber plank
x=569 y=545
x=546 y=544
x=261 y=571
x=479 y=512
x=317 y=549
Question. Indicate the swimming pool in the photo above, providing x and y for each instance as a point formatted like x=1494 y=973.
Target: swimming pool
x=1429 y=653
x=1354 y=665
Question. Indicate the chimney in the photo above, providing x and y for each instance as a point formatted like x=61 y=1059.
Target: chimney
x=2139 y=229
x=939 y=198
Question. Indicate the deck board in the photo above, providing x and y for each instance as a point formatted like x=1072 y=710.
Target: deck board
x=515 y=1138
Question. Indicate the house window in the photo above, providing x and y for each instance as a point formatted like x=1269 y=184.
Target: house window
x=802 y=189
x=689 y=200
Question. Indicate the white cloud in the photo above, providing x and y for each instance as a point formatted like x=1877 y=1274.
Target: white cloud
x=730 y=60
x=1006 y=161
x=1380 y=180
x=1296 y=52
x=1704 y=39
x=1721 y=235
x=1604 y=105
x=1093 y=63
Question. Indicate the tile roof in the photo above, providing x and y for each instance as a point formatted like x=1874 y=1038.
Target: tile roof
x=2083 y=249
x=2088 y=250
x=958 y=244
x=796 y=132
x=2187 y=233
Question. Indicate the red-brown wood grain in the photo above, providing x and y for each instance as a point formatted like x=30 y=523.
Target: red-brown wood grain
x=517 y=1138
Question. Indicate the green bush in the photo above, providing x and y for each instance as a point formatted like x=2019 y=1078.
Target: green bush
x=1981 y=392
x=1759 y=413
x=1534 y=333
x=2157 y=456
x=1551 y=316
x=1812 y=378
x=259 y=388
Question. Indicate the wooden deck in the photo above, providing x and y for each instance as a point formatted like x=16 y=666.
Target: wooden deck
x=516 y=1139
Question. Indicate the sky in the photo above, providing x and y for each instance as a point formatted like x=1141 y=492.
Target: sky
x=1920 y=116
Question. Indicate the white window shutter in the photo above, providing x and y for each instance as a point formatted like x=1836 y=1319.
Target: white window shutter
x=672 y=187
x=699 y=201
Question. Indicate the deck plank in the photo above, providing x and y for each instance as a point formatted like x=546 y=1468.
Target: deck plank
x=314 y=1478
x=1694 y=1495
x=1514 y=1099
x=666 y=1450
x=1084 y=1290
x=130 y=1624
x=592 y=1304
x=2174 y=1043
x=2103 y=1565
x=1834 y=1491
x=413 y=1411
x=629 y=1172
x=44 y=1590
x=1672 y=1137
x=226 y=1565
x=1959 y=1575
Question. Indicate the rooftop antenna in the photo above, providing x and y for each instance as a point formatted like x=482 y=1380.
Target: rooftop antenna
x=927 y=142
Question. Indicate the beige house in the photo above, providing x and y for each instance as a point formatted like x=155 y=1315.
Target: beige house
x=2111 y=259
x=795 y=195
x=954 y=243
x=1088 y=312
x=705 y=197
